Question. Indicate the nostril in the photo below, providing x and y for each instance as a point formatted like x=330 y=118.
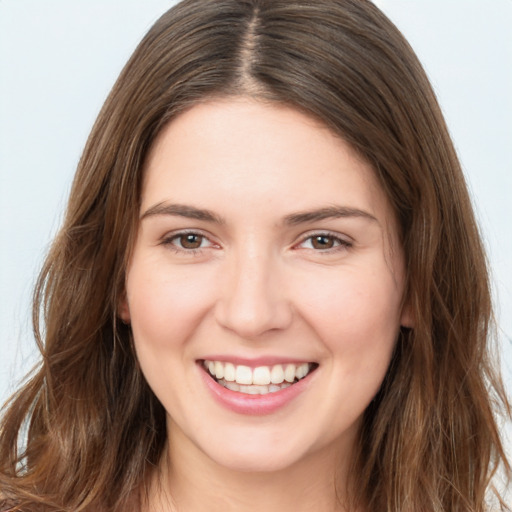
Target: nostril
x=252 y=321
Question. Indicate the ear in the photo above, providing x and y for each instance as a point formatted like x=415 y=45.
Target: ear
x=407 y=317
x=123 y=309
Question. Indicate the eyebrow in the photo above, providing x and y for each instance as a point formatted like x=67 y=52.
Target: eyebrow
x=182 y=210
x=331 y=212
x=294 y=219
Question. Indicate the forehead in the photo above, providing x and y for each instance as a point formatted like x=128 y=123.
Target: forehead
x=240 y=154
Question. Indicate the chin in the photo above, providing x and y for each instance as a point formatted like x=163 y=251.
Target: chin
x=255 y=462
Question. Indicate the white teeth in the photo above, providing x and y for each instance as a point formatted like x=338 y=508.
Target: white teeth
x=243 y=375
x=232 y=385
x=289 y=373
x=219 y=370
x=261 y=375
x=277 y=374
x=264 y=377
x=253 y=389
x=301 y=371
x=229 y=372
x=250 y=390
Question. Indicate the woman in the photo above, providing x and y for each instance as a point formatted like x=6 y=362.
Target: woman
x=327 y=352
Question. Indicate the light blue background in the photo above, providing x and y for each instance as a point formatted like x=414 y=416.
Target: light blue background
x=58 y=60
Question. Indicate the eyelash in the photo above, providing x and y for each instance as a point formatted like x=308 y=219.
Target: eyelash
x=169 y=241
x=339 y=243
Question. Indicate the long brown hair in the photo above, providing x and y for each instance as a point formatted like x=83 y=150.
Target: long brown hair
x=85 y=432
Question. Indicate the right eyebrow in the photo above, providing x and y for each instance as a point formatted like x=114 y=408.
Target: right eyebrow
x=182 y=210
x=331 y=212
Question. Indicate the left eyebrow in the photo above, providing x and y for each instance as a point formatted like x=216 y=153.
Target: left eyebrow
x=182 y=210
x=331 y=212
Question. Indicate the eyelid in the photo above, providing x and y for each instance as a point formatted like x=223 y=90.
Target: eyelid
x=344 y=240
x=169 y=237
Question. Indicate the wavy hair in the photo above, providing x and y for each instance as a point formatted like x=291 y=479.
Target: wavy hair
x=85 y=432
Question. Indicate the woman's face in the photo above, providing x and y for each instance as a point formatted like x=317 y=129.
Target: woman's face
x=268 y=256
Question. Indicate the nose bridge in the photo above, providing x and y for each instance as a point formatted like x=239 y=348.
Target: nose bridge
x=253 y=299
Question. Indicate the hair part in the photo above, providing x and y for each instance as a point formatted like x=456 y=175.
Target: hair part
x=96 y=432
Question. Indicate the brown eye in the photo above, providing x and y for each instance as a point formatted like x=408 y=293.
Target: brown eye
x=190 y=241
x=322 y=242
x=325 y=243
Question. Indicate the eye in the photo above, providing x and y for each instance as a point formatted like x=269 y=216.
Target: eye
x=324 y=242
x=189 y=241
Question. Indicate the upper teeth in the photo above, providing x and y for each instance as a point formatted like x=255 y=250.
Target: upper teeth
x=261 y=375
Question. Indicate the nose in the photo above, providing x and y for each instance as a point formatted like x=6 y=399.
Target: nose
x=253 y=297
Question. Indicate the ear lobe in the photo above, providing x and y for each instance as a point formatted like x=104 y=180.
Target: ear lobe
x=123 y=309
x=407 y=318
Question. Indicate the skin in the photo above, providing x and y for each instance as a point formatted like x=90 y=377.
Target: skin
x=260 y=285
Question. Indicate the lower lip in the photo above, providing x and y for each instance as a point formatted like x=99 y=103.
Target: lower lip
x=256 y=405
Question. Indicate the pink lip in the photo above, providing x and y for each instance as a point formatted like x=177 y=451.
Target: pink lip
x=242 y=403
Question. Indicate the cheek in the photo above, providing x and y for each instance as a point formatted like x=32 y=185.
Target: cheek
x=165 y=309
x=356 y=313
x=165 y=306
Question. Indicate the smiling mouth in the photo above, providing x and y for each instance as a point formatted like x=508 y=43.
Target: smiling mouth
x=260 y=380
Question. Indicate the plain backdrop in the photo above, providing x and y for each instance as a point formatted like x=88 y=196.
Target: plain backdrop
x=59 y=59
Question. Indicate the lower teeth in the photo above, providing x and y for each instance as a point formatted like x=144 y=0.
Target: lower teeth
x=253 y=389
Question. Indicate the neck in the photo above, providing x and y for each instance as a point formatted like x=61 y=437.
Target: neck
x=188 y=480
